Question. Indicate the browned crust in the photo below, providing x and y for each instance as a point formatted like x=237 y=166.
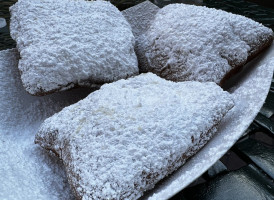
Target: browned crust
x=73 y=85
x=63 y=155
x=250 y=57
x=70 y=174
x=70 y=86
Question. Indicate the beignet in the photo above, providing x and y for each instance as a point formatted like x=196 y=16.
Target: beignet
x=68 y=43
x=121 y=140
x=195 y=43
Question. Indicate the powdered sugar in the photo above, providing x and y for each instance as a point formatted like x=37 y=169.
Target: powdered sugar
x=122 y=139
x=186 y=42
x=27 y=171
x=140 y=17
x=67 y=43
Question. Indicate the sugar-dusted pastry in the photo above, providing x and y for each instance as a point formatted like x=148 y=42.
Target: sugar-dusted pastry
x=186 y=42
x=65 y=44
x=122 y=139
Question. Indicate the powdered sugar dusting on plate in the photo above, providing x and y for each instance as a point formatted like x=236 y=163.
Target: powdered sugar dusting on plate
x=26 y=171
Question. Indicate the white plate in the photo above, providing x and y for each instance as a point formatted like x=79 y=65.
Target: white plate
x=29 y=172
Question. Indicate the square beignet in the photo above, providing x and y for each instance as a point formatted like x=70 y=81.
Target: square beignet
x=66 y=44
x=195 y=43
x=121 y=140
